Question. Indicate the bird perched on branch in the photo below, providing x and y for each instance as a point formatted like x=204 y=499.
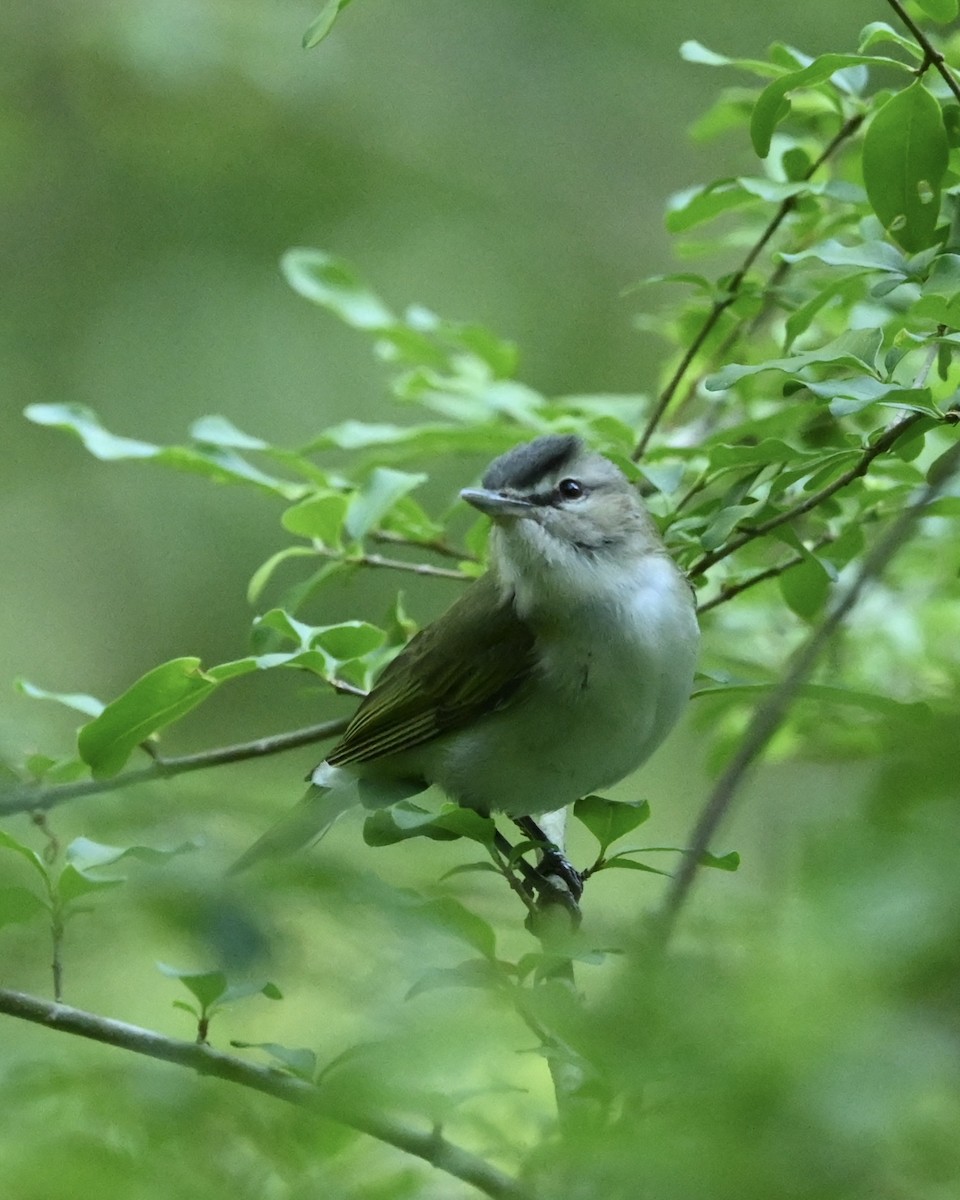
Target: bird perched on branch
x=555 y=674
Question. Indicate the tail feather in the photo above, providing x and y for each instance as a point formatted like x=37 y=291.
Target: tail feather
x=305 y=823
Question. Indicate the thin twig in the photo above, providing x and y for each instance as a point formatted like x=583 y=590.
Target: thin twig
x=437 y=545
x=933 y=56
x=814 y=500
x=719 y=307
x=432 y=1146
x=729 y=590
x=46 y=796
x=769 y=715
x=394 y=564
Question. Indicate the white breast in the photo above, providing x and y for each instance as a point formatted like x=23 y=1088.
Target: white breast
x=616 y=672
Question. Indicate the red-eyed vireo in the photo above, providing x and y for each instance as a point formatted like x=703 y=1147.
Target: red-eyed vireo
x=555 y=674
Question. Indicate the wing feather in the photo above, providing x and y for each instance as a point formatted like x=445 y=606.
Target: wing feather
x=475 y=658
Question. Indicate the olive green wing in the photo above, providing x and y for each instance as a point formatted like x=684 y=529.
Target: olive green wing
x=472 y=659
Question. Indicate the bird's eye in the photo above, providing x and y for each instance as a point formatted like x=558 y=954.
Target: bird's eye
x=570 y=489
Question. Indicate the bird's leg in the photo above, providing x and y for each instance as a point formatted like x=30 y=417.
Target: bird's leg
x=554 y=866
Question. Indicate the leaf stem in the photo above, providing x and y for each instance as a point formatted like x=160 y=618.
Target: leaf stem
x=432 y=1147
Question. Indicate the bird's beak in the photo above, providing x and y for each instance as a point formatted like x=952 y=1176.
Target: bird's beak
x=496 y=505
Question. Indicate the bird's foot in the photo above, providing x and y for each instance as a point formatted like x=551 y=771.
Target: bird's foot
x=559 y=873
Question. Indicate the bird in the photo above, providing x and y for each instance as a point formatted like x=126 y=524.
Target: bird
x=555 y=674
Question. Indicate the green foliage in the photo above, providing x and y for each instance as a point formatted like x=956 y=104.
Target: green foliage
x=212 y=991
x=807 y=394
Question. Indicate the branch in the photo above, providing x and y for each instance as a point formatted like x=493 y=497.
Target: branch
x=432 y=1147
x=729 y=590
x=720 y=306
x=394 y=564
x=933 y=56
x=438 y=546
x=44 y=797
x=814 y=500
x=768 y=716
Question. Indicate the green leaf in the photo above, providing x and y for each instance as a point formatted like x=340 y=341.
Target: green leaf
x=319 y=517
x=218 y=463
x=482 y=867
x=773 y=105
x=801 y=319
x=240 y=991
x=855 y=348
x=33 y=858
x=332 y=283
x=806 y=587
x=474 y=973
x=387 y=826
x=941 y=11
x=218 y=431
x=82 y=421
x=298 y=1061
x=262 y=575
x=695 y=52
x=157 y=699
x=940 y=301
x=73 y=884
x=721 y=862
x=696 y=205
x=872 y=255
x=609 y=820
x=84 y=853
x=464 y=822
x=378 y=494
x=880 y=31
x=349 y=639
x=453 y=918
x=79 y=701
x=206 y=986
x=18 y=904
x=322 y=23
x=905 y=153
x=629 y=864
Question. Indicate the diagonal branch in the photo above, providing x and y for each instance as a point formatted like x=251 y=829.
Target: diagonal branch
x=933 y=55
x=720 y=306
x=431 y=1147
x=769 y=716
x=45 y=797
x=883 y=443
x=729 y=590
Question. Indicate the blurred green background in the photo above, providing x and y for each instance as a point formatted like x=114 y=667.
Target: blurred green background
x=500 y=161
x=505 y=161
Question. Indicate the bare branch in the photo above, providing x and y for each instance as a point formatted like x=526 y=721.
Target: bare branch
x=46 y=796
x=432 y=1147
x=768 y=716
